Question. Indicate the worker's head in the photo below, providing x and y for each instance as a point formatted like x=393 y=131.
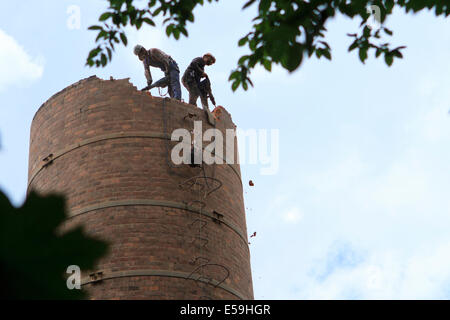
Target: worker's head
x=140 y=52
x=209 y=59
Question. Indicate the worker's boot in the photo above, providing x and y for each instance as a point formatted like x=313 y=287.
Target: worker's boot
x=209 y=115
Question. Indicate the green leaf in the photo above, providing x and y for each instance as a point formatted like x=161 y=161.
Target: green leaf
x=94 y=52
x=353 y=46
x=149 y=21
x=327 y=54
x=292 y=57
x=169 y=30
x=105 y=16
x=397 y=54
x=378 y=52
x=124 y=38
x=250 y=81
x=242 y=41
x=235 y=85
x=234 y=75
x=95 y=28
x=267 y=65
x=183 y=31
x=109 y=53
x=101 y=34
x=366 y=32
x=103 y=59
x=264 y=5
x=363 y=54
x=117 y=19
x=243 y=59
x=325 y=44
x=389 y=59
x=157 y=11
x=248 y=4
x=176 y=33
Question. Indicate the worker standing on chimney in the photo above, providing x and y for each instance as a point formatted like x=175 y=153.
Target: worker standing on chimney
x=197 y=87
x=158 y=59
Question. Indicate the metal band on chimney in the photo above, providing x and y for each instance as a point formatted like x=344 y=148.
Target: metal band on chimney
x=163 y=273
x=159 y=203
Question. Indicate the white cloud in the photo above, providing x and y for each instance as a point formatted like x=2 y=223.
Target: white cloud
x=278 y=75
x=437 y=124
x=344 y=172
x=293 y=215
x=403 y=184
x=147 y=36
x=388 y=275
x=394 y=208
x=16 y=65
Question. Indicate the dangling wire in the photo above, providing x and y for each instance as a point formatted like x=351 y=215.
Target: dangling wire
x=163 y=95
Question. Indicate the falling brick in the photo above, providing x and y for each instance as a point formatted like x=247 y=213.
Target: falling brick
x=217 y=112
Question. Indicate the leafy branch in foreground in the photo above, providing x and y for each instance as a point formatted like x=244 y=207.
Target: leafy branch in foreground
x=34 y=254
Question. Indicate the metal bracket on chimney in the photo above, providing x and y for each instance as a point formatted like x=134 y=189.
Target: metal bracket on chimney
x=96 y=276
x=218 y=217
x=190 y=116
x=48 y=160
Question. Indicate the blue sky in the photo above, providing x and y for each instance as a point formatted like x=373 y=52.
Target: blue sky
x=360 y=206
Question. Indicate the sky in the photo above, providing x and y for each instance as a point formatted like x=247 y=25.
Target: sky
x=359 y=207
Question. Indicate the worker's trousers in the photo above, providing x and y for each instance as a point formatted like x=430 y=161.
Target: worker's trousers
x=174 y=80
x=171 y=80
x=196 y=90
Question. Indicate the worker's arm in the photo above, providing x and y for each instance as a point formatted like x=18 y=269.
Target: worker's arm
x=209 y=90
x=198 y=66
x=211 y=97
x=148 y=75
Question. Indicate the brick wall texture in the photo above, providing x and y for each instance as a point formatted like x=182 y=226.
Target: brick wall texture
x=106 y=146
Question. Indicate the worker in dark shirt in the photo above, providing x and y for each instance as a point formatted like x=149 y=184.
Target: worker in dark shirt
x=197 y=87
x=158 y=59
